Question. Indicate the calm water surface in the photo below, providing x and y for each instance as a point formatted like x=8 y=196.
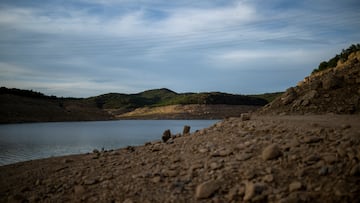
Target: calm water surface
x=22 y=142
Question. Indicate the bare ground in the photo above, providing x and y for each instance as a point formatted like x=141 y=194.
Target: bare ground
x=312 y=158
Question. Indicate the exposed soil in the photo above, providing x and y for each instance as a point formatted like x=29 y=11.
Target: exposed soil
x=264 y=159
x=192 y=111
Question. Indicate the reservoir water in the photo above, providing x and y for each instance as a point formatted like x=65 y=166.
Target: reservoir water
x=22 y=142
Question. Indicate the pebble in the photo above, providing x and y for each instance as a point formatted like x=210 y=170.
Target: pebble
x=222 y=153
x=243 y=156
x=324 y=170
x=252 y=190
x=355 y=170
x=245 y=116
x=310 y=140
x=206 y=189
x=294 y=186
x=271 y=152
x=268 y=178
x=156 y=179
x=128 y=200
x=79 y=189
x=214 y=165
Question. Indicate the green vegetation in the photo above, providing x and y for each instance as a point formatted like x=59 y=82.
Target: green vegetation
x=269 y=97
x=163 y=97
x=343 y=56
x=25 y=93
x=150 y=98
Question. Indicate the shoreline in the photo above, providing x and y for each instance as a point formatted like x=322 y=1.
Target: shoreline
x=219 y=163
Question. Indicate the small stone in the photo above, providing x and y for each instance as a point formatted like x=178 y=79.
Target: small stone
x=232 y=194
x=172 y=173
x=345 y=126
x=156 y=179
x=250 y=174
x=355 y=171
x=268 y=178
x=271 y=152
x=252 y=190
x=312 y=159
x=245 y=116
x=324 y=170
x=215 y=165
x=206 y=189
x=91 y=181
x=128 y=200
x=203 y=150
x=243 y=156
x=294 y=186
x=79 y=189
x=330 y=158
x=309 y=140
x=222 y=153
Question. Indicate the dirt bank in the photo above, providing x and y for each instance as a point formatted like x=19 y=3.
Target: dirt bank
x=264 y=159
x=191 y=111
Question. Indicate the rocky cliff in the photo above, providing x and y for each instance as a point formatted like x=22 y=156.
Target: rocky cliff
x=335 y=90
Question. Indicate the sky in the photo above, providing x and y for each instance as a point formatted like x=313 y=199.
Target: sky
x=83 y=48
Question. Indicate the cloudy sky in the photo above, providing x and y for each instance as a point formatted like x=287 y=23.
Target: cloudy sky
x=85 y=48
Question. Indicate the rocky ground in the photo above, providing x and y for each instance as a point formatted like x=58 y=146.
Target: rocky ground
x=336 y=90
x=312 y=158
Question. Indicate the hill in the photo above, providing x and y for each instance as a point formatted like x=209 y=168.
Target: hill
x=164 y=97
x=17 y=106
x=28 y=106
x=330 y=90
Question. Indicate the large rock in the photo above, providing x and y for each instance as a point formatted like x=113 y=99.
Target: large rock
x=166 y=135
x=186 y=130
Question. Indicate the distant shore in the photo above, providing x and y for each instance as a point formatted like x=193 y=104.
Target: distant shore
x=171 y=112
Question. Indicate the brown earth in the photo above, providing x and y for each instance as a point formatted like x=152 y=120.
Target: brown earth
x=192 y=111
x=264 y=159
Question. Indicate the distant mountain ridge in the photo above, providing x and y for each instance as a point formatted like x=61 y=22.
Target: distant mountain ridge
x=164 y=97
x=18 y=105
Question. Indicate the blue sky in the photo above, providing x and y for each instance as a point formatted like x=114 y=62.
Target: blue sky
x=85 y=48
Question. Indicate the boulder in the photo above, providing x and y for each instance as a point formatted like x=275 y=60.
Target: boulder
x=166 y=135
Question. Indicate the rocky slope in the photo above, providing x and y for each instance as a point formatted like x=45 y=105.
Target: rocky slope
x=264 y=159
x=336 y=90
